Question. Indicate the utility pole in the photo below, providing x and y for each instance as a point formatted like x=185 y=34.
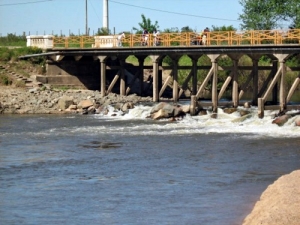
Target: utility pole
x=86 y=19
x=105 y=14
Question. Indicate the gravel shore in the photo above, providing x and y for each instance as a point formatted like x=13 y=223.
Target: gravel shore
x=51 y=101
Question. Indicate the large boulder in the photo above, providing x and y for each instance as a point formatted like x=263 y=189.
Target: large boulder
x=279 y=204
x=281 y=120
x=160 y=114
x=158 y=107
x=64 y=102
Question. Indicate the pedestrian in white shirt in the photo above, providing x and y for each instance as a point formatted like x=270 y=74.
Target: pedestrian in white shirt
x=120 y=37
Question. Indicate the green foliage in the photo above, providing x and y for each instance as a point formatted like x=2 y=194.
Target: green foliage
x=167 y=60
x=223 y=28
x=187 y=29
x=5 y=54
x=146 y=24
x=13 y=40
x=12 y=54
x=5 y=80
x=268 y=15
x=171 y=30
x=103 y=31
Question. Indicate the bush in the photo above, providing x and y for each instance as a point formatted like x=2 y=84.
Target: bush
x=5 y=80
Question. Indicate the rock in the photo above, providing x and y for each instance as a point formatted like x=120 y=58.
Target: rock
x=202 y=112
x=279 y=204
x=126 y=106
x=247 y=105
x=84 y=104
x=297 y=121
x=167 y=109
x=178 y=111
x=185 y=108
x=72 y=108
x=91 y=110
x=244 y=112
x=1 y=108
x=242 y=118
x=33 y=90
x=157 y=107
x=64 y=102
x=230 y=110
x=160 y=114
x=280 y=121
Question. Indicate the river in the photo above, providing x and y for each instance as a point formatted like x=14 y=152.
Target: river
x=96 y=169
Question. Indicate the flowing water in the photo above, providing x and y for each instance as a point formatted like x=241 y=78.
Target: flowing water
x=96 y=169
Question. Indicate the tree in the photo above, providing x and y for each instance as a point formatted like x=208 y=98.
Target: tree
x=223 y=28
x=187 y=29
x=269 y=14
x=171 y=30
x=146 y=24
x=103 y=31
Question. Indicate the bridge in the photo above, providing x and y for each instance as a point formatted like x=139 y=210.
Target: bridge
x=96 y=63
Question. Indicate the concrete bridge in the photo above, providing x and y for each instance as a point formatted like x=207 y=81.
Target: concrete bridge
x=105 y=69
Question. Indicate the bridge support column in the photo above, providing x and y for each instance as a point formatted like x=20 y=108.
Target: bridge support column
x=195 y=78
x=194 y=73
x=122 y=77
x=235 y=84
x=155 y=60
x=175 y=77
x=275 y=89
x=141 y=74
x=255 y=81
x=160 y=76
x=214 y=98
x=282 y=95
x=102 y=60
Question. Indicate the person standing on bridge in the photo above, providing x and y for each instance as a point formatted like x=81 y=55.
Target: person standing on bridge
x=204 y=35
x=155 y=38
x=120 y=37
x=145 y=36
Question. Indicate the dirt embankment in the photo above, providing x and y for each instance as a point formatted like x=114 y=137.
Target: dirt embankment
x=279 y=204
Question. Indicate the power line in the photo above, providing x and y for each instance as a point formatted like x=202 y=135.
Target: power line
x=182 y=14
x=23 y=3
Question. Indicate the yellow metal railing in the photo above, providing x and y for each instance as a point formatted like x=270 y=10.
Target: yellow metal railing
x=253 y=37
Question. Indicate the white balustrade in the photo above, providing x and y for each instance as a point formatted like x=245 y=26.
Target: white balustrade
x=108 y=41
x=40 y=41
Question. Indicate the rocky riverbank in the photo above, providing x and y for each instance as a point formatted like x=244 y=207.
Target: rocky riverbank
x=45 y=100
x=52 y=101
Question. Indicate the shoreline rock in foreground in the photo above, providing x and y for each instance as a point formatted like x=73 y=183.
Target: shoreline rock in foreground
x=279 y=204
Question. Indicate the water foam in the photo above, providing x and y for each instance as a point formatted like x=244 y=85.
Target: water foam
x=224 y=123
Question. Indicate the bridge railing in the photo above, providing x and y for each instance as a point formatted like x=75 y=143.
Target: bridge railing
x=248 y=37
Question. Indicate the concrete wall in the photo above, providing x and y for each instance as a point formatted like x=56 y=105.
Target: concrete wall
x=84 y=73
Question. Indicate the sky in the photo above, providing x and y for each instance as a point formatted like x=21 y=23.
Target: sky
x=42 y=17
